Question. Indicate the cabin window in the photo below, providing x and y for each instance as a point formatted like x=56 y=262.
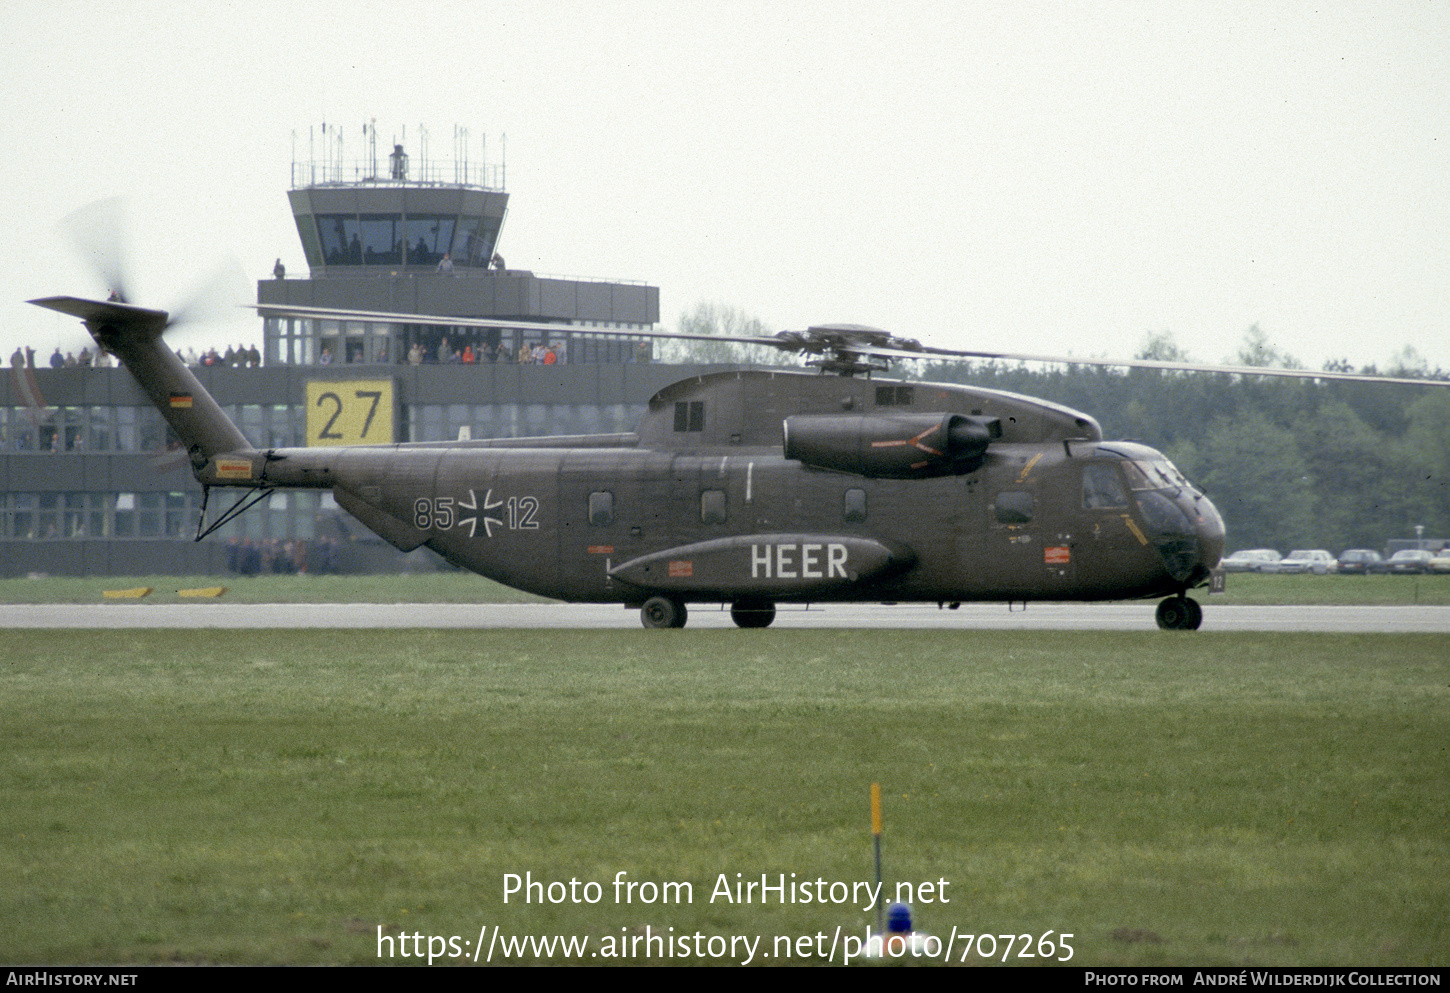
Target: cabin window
x=1014 y=507
x=894 y=396
x=601 y=508
x=1102 y=489
x=690 y=415
x=854 y=508
x=712 y=507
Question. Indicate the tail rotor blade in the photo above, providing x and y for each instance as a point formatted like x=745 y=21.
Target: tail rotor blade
x=97 y=231
x=217 y=297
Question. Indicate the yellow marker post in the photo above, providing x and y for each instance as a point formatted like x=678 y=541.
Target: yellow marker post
x=135 y=593
x=876 y=832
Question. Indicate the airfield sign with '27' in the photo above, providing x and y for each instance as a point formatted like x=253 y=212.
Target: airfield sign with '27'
x=350 y=412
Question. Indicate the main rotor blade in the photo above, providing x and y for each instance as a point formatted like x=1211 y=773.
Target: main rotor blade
x=328 y=313
x=802 y=342
x=1235 y=370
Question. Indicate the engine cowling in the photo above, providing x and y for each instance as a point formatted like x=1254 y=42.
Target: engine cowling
x=903 y=446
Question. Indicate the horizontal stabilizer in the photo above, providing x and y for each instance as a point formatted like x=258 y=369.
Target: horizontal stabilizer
x=106 y=312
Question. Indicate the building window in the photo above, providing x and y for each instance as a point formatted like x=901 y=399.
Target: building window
x=125 y=515
x=148 y=524
x=74 y=523
x=20 y=510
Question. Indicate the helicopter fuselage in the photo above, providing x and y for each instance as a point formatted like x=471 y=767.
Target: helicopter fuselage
x=671 y=511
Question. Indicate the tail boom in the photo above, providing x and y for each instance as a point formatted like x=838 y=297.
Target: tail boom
x=220 y=454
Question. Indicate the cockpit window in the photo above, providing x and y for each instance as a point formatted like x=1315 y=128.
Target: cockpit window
x=1102 y=489
x=1137 y=478
x=1155 y=474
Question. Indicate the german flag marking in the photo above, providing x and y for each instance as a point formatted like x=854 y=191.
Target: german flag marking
x=181 y=401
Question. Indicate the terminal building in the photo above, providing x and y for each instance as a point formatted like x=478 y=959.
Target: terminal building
x=93 y=484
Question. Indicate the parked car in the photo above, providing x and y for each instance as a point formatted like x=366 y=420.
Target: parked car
x=1414 y=560
x=1361 y=561
x=1441 y=560
x=1315 y=560
x=1250 y=560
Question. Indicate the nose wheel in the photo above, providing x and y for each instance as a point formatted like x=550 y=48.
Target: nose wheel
x=1179 y=613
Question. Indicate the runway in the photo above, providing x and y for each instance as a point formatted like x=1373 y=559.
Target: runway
x=1036 y=617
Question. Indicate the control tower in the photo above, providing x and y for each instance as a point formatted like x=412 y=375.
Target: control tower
x=408 y=234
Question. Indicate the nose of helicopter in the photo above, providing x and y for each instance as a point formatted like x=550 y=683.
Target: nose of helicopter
x=1209 y=527
x=1187 y=532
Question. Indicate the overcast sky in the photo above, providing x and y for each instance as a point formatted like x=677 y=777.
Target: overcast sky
x=1060 y=178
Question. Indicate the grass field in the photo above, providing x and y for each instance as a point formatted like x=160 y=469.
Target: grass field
x=275 y=797
x=464 y=588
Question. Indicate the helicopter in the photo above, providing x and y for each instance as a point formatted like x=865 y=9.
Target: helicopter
x=753 y=488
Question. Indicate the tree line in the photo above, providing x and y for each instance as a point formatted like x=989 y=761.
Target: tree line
x=1290 y=463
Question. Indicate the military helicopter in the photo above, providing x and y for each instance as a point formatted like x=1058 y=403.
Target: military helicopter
x=751 y=488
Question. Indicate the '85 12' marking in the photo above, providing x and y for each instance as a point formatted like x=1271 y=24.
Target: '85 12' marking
x=446 y=513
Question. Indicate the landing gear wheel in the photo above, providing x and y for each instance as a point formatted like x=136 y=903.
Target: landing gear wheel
x=1179 y=613
x=752 y=613
x=663 y=612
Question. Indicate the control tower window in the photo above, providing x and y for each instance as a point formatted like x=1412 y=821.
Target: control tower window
x=428 y=237
x=381 y=239
x=311 y=247
x=473 y=241
x=340 y=242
